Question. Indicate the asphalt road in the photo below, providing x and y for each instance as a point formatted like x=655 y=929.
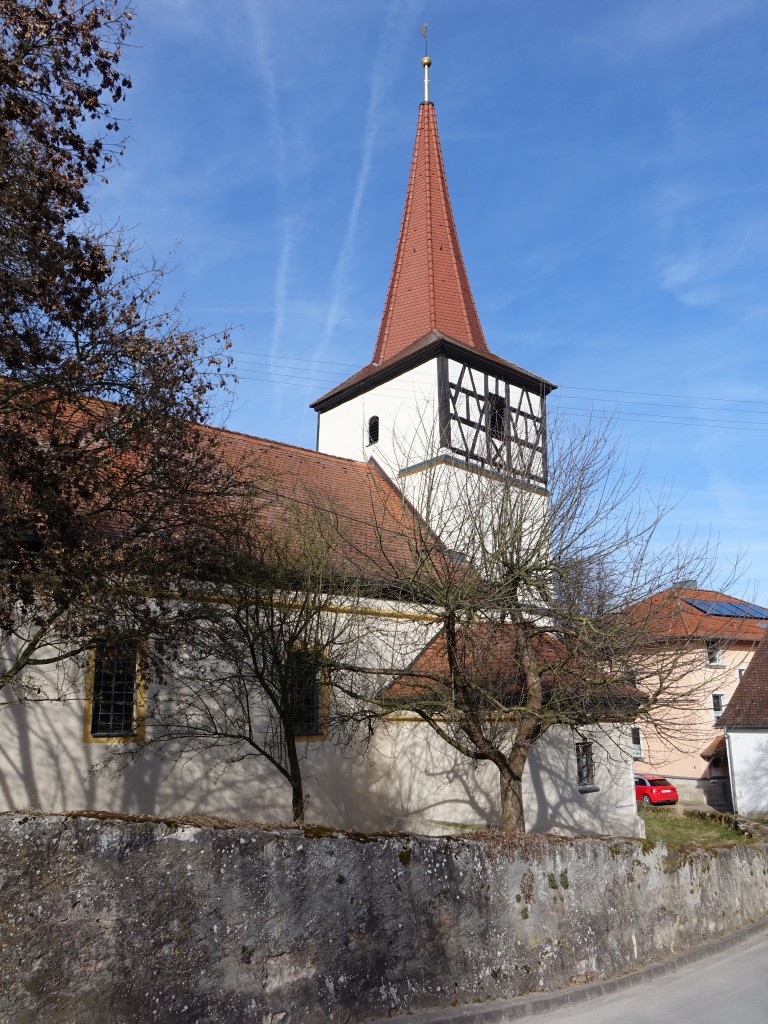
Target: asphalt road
x=728 y=988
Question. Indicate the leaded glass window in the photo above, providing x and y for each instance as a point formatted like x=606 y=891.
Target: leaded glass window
x=585 y=764
x=304 y=678
x=114 y=693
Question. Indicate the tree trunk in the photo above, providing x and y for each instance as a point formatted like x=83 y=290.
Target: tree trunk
x=294 y=775
x=297 y=801
x=512 y=816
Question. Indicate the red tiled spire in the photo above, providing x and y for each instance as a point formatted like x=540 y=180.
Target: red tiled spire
x=429 y=289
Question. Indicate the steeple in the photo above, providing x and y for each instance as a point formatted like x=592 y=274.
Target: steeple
x=433 y=390
x=429 y=289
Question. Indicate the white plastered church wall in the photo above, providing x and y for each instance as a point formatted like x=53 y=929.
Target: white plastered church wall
x=430 y=788
x=404 y=405
x=407 y=778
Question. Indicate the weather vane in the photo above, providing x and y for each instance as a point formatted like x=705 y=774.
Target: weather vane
x=425 y=60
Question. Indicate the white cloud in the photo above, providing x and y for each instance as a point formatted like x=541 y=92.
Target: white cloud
x=718 y=269
x=397 y=18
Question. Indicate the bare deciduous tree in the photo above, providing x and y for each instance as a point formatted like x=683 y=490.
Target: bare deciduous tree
x=264 y=648
x=539 y=601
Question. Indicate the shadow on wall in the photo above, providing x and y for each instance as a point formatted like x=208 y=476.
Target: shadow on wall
x=44 y=764
x=421 y=784
x=553 y=800
x=703 y=793
x=407 y=779
x=432 y=787
x=346 y=791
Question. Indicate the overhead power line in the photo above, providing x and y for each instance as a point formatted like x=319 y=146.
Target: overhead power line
x=651 y=407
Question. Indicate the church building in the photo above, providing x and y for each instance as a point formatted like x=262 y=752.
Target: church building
x=433 y=404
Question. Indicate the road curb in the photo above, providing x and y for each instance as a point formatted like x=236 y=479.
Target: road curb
x=503 y=1011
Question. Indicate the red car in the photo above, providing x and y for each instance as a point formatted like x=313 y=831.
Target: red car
x=655 y=789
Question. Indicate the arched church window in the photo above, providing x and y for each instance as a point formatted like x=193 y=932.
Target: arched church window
x=373 y=430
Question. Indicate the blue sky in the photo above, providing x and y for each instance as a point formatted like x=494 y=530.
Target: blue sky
x=608 y=167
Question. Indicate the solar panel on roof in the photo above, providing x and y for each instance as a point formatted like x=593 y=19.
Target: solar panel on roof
x=730 y=609
x=755 y=611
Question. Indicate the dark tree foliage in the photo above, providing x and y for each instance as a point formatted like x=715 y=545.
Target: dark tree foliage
x=59 y=80
x=104 y=475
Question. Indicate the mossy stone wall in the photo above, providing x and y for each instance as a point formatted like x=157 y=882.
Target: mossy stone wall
x=111 y=922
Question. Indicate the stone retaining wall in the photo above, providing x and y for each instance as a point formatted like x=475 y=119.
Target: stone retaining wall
x=114 y=921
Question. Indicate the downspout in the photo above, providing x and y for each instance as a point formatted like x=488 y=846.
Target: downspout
x=731 y=773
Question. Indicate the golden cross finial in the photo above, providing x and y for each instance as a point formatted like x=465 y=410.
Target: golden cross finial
x=425 y=61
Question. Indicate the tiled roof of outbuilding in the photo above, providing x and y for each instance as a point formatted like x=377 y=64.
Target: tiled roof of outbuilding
x=490 y=659
x=715 y=748
x=748 y=707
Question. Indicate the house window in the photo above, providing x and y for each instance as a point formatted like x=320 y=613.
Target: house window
x=714 y=653
x=115 y=703
x=741 y=673
x=373 y=430
x=304 y=677
x=637 y=743
x=497 y=416
x=718 y=704
x=585 y=768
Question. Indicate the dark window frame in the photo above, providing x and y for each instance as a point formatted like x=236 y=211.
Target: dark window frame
x=115 y=697
x=373 y=430
x=636 y=739
x=498 y=415
x=307 y=710
x=715 y=652
x=585 y=767
x=718 y=703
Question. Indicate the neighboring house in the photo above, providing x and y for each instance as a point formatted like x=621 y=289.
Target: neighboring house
x=433 y=397
x=745 y=725
x=714 y=637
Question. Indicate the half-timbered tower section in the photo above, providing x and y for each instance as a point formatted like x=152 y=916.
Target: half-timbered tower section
x=493 y=417
x=434 y=394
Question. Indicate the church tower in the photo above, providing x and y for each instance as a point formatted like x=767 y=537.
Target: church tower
x=433 y=394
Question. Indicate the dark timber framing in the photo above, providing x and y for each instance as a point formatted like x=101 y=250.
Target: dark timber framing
x=443 y=400
x=483 y=422
x=493 y=418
